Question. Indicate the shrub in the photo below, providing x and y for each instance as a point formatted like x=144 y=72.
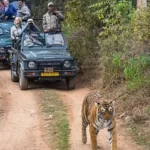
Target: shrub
x=135 y=71
x=83 y=46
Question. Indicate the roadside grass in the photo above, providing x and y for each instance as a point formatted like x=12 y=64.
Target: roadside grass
x=140 y=124
x=136 y=106
x=141 y=133
x=56 y=116
x=140 y=128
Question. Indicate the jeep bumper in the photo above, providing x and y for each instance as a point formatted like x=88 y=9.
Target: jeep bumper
x=4 y=57
x=56 y=75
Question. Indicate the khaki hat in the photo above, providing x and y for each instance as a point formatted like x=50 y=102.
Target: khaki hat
x=50 y=4
x=30 y=21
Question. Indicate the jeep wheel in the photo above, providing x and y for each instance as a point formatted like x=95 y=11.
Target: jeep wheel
x=71 y=83
x=23 y=81
x=14 y=78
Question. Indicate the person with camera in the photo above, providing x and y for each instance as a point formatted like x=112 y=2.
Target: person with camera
x=23 y=12
x=52 y=19
x=30 y=27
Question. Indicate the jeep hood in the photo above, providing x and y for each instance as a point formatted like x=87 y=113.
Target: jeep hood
x=45 y=55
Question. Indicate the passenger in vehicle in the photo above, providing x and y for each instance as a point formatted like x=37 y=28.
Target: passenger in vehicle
x=8 y=10
x=30 y=26
x=23 y=11
x=52 y=19
x=16 y=30
x=1 y=6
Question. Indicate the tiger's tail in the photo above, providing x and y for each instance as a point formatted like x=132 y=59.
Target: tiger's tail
x=85 y=120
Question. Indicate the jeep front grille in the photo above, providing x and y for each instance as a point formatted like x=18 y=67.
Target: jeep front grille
x=54 y=65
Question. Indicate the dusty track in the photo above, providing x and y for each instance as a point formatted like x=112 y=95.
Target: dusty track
x=20 y=126
x=73 y=100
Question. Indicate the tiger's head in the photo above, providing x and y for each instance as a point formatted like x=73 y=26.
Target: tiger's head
x=106 y=110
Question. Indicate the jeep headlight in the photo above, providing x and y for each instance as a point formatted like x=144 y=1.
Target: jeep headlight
x=67 y=64
x=31 y=64
x=2 y=50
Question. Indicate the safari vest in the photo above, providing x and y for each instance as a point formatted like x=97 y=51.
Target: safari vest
x=50 y=21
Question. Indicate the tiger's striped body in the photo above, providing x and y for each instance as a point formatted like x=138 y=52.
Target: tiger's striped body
x=98 y=114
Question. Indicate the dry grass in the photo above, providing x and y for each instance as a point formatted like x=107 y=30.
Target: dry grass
x=137 y=105
x=133 y=104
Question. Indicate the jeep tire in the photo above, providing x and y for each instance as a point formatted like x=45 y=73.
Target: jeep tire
x=71 y=83
x=23 y=81
x=14 y=78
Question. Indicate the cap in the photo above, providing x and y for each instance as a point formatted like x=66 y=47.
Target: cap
x=50 y=4
x=30 y=21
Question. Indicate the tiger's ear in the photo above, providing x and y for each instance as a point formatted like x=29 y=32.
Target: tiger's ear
x=112 y=103
x=97 y=103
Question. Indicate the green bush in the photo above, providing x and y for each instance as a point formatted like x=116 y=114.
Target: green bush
x=127 y=52
x=135 y=72
x=112 y=36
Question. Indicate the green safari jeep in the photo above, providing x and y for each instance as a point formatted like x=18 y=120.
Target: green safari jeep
x=42 y=56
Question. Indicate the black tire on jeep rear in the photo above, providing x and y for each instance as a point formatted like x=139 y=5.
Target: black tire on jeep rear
x=23 y=81
x=71 y=83
x=14 y=78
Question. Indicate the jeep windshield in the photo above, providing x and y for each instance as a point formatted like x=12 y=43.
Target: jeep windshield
x=43 y=39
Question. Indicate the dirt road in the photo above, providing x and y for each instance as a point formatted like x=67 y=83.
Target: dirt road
x=20 y=126
x=73 y=100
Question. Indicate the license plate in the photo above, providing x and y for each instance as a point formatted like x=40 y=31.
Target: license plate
x=49 y=74
x=48 y=69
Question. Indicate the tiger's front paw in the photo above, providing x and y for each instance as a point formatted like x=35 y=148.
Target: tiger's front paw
x=98 y=147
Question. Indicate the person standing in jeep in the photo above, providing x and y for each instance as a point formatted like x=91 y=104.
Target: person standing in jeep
x=16 y=30
x=23 y=11
x=30 y=26
x=52 y=19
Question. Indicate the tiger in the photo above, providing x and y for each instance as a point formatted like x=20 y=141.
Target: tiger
x=98 y=114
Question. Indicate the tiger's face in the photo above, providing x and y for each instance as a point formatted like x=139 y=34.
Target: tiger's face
x=106 y=111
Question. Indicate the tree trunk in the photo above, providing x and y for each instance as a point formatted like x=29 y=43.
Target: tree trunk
x=141 y=3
